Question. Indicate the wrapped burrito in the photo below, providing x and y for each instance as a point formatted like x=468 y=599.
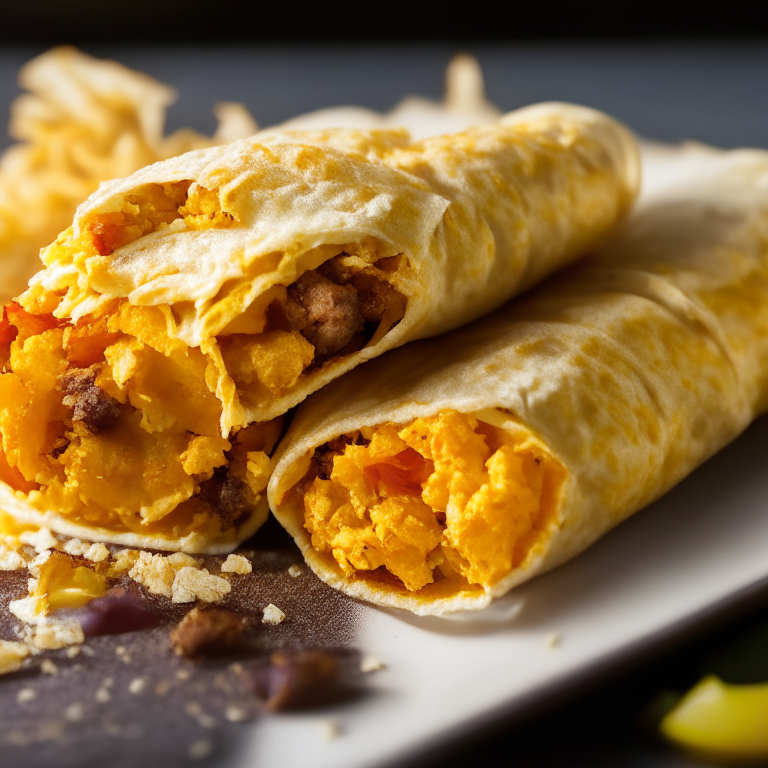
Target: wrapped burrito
x=192 y=304
x=439 y=476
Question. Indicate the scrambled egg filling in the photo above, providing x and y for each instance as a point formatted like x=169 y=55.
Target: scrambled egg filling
x=445 y=495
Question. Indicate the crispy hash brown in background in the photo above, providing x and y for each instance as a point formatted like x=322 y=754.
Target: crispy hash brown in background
x=83 y=121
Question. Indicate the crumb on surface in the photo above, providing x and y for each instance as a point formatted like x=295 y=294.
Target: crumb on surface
x=183 y=674
x=58 y=634
x=137 y=685
x=370 y=663
x=76 y=547
x=30 y=610
x=199 y=750
x=162 y=688
x=203 y=719
x=25 y=695
x=12 y=655
x=328 y=729
x=236 y=564
x=273 y=615
x=553 y=639
x=192 y=584
x=11 y=560
x=295 y=570
x=47 y=667
x=235 y=713
x=40 y=540
x=74 y=713
x=96 y=553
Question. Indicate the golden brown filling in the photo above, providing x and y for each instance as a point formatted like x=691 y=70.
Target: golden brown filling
x=123 y=431
x=112 y=421
x=445 y=495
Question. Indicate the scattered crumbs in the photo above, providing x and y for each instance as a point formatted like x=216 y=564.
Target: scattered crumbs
x=72 y=651
x=29 y=610
x=236 y=714
x=96 y=553
x=74 y=713
x=10 y=560
x=236 y=564
x=371 y=664
x=25 y=695
x=272 y=615
x=553 y=639
x=58 y=634
x=123 y=654
x=204 y=720
x=162 y=688
x=237 y=668
x=221 y=682
x=200 y=749
x=190 y=584
x=179 y=560
x=183 y=674
x=12 y=656
x=295 y=570
x=47 y=667
x=87 y=651
x=41 y=539
x=137 y=685
x=76 y=546
x=328 y=729
x=103 y=695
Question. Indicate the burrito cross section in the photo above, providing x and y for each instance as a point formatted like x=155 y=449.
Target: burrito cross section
x=443 y=496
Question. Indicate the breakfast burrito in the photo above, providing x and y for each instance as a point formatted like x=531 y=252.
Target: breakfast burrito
x=439 y=476
x=148 y=366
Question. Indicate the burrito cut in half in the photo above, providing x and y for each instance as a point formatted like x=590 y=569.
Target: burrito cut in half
x=148 y=366
x=443 y=474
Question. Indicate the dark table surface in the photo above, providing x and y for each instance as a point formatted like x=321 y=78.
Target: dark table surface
x=708 y=92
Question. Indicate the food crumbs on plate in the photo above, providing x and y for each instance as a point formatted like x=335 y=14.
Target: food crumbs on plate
x=103 y=695
x=123 y=654
x=183 y=674
x=328 y=729
x=74 y=713
x=553 y=639
x=273 y=615
x=371 y=664
x=47 y=667
x=97 y=553
x=72 y=651
x=200 y=749
x=236 y=714
x=25 y=695
x=236 y=564
x=295 y=571
x=162 y=688
x=195 y=711
x=12 y=656
x=137 y=685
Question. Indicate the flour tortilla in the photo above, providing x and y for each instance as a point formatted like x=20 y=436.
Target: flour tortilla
x=632 y=369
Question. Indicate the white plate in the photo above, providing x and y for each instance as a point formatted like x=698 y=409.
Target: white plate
x=690 y=554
